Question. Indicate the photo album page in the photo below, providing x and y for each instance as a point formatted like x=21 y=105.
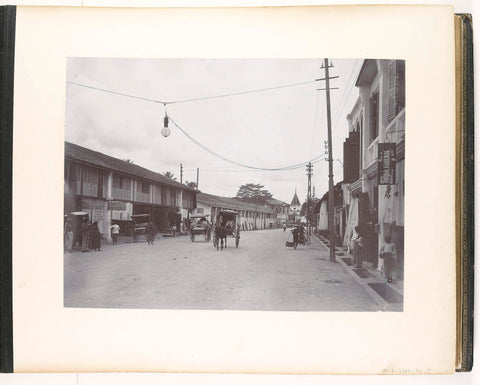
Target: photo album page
x=234 y=190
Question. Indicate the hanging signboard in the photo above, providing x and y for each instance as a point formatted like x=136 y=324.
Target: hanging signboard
x=386 y=163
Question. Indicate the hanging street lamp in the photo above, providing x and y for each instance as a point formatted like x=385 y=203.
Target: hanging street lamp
x=165 y=130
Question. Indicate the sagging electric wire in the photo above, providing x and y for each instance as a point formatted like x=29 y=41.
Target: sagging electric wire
x=165 y=102
x=116 y=93
x=285 y=168
x=290 y=169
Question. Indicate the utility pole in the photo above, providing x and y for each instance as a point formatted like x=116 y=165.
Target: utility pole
x=309 y=193
x=331 y=224
x=181 y=173
x=198 y=171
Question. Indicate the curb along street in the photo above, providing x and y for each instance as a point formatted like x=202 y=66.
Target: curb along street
x=368 y=278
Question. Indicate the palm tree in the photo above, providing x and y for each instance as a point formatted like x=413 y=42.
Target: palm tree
x=169 y=174
x=191 y=185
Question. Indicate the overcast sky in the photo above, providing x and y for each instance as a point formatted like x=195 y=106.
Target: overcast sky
x=269 y=129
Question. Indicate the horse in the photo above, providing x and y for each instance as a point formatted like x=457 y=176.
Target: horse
x=221 y=232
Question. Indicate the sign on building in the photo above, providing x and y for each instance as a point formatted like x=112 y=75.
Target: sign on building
x=386 y=163
x=117 y=205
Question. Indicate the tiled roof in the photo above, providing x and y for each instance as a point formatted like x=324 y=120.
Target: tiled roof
x=230 y=203
x=95 y=158
x=276 y=202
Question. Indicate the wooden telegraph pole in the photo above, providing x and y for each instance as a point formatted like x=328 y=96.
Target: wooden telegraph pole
x=309 y=195
x=331 y=203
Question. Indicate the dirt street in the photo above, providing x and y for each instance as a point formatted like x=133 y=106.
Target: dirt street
x=175 y=273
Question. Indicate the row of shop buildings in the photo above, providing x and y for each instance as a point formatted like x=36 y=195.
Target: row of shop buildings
x=372 y=193
x=250 y=216
x=265 y=214
x=111 y=190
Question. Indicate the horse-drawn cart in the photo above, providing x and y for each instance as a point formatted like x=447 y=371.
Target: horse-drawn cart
x=226 y=223
x=138 y=226
x=200 y=226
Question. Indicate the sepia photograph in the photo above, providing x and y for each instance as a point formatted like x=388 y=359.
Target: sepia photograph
x=234 y=184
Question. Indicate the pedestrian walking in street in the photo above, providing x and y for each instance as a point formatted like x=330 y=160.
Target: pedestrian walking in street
x=85 y=236
x=150 y=233
x=284 y=227
x=388 y=253
x=302 y=235
x=356 y=245
x=115 y=231
x=296 y=237
x=95 y=236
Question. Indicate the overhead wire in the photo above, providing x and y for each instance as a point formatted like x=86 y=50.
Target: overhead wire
x=116 y=93
x=217 y=155
x=344 y=100
x=315 y=120
x=240 y=93
x=166 y=102
x=264 y=170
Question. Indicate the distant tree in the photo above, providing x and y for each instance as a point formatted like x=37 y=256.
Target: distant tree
x=253 y=190
x=191 y=185
x=170 y=175
x=311 y=208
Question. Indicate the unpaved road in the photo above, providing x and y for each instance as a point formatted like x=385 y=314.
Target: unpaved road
x=174 y=273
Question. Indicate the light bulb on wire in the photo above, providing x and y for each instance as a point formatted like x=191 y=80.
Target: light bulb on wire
x=165 y=130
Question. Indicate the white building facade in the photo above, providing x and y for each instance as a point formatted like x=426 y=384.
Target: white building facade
x=250 y=216
x=376 y=198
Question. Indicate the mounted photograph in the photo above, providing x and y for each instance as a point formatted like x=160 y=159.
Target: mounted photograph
x=234 y=184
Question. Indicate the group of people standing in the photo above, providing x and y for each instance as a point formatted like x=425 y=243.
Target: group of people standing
x=387 y=252
x=90 y=236
x=299 y=235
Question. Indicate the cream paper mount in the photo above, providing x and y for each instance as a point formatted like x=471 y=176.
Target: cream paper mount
x=51 y=338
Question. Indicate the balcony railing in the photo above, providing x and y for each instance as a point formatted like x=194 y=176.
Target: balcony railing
x=90 y=189
x=142 y=197
x=119 y=193
x=74 y=187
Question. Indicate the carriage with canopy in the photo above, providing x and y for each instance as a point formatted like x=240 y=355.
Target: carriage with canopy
x=226 y=223
x=200 y=226
x=139 y=226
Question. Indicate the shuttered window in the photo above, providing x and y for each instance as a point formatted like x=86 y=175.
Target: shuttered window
x=396 y=88
x=145 y=187
x=75 y=178
x=90 y=175
x=121 y=182
x=90 y=181
x=374 y=116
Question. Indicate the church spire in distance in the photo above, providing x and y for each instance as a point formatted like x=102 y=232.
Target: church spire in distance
x=295 y=200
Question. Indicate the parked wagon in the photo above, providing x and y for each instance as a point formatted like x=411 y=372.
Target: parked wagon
x=200 y=226
x=138 y=225
x=226 y=224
